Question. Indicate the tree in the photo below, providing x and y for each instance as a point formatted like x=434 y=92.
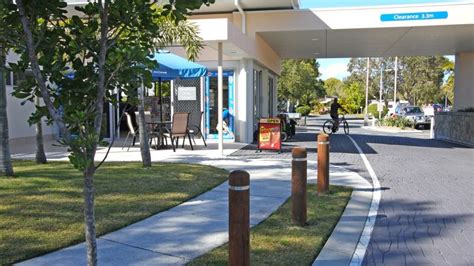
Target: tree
x=299 y=81
x=40 y=156
x=422 y=78
x=353 y=97
x=6 y=167
x=104 y=49
x=333 y=87
x=358 y=69
x=448 y=86
x=183 y=33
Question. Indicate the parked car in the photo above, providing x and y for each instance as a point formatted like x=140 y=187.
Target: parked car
x=414 y=114
x=393 y=105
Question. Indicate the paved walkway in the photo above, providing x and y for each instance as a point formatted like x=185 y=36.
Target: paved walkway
x=195 y=227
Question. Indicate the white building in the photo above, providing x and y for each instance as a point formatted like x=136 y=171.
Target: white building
x=253 y=36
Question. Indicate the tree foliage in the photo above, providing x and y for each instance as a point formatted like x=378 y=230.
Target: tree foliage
x=333 y=87
x=353 y=97
x=299 y=81
x=422 y=78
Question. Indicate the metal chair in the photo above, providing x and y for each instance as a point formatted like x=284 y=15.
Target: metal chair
x=196 y=130
x=179 y=128
x=131 y=132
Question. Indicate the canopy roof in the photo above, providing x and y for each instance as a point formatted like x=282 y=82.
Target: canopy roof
x=172 y=66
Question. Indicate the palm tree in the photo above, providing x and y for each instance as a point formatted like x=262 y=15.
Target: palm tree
x=184 y=33
x=6 y=167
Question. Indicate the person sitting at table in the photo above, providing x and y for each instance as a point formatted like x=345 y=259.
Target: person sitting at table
x=225 y=123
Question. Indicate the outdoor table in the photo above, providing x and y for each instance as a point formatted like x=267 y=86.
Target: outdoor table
x=160 y=125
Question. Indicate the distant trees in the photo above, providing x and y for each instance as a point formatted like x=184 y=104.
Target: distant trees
x=299 y=82
x=333 y=87
x=421 y=80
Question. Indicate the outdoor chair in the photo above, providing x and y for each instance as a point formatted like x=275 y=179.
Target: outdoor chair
x=179 y=128
x=131 y=132
x=195 y=130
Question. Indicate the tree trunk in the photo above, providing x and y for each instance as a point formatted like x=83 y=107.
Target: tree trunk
x=6 y=167
x=144 y=147
x=40 y=155
x=89 y=215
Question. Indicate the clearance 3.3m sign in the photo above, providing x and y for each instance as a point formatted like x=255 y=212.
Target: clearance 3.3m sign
x=414 y=16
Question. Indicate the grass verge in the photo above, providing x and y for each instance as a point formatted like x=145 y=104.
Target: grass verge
x=277 y=242
x=41 y=208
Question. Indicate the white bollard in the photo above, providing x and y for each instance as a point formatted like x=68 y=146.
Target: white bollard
x=432 y=127
x=373 y=121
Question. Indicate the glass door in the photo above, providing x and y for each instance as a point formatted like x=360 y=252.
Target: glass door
x=211 y=105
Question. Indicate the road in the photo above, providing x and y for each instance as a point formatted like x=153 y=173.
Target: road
x=426 y=213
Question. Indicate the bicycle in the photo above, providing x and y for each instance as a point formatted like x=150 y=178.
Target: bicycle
x=329 y=127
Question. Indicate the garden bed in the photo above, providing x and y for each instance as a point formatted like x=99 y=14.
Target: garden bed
x=276 y=241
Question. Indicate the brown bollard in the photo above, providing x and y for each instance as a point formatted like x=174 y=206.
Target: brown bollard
x=323 y=163
x=298 y=186
x=239 y=232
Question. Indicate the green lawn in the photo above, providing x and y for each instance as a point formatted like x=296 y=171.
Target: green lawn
x=277 y=242
x=41 y=208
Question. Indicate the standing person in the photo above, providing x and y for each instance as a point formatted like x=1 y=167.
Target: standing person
x=335 y=106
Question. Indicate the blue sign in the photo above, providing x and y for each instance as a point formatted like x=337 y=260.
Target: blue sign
x=414 y=16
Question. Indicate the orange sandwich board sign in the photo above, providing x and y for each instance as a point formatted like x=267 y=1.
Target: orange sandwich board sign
x=269 y=134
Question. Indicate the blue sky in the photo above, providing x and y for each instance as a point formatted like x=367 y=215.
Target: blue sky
x=338 y=67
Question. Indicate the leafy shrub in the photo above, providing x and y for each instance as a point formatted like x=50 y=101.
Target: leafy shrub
x=304 y=110
x=396 y=121
x=373 y=110
x=318 y=108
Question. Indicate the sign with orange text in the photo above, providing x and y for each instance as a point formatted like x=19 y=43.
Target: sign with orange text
x=269 y=134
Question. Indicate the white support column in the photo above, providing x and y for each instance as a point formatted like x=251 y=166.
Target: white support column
x=202 y=108
x=220 y=99
x=172 y=98
x=244 y=101
x=464 y=81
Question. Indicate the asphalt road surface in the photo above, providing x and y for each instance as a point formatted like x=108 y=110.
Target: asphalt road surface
x=426 y=213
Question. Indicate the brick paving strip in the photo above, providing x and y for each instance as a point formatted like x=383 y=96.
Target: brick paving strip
x=179 y=235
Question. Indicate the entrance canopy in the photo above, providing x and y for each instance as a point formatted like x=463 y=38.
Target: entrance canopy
x=363 y=31
x=172 y=66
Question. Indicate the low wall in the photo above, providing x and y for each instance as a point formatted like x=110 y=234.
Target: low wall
x=455 y=126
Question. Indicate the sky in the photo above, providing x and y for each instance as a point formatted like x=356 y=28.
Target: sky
x=338 y=67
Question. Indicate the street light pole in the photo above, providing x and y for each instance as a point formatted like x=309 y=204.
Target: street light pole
x=366 y=118
x=380 y=92
x=395 y=82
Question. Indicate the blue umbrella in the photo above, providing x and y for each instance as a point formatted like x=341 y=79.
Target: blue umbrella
x=171 y=66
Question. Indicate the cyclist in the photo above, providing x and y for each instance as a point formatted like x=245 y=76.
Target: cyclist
x=335 y=106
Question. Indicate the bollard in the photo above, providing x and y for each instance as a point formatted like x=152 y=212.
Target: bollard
x=239 y=232
x=323 y=163
x=298 y=186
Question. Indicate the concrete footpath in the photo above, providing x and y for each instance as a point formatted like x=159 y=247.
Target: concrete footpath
x=179 y=235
